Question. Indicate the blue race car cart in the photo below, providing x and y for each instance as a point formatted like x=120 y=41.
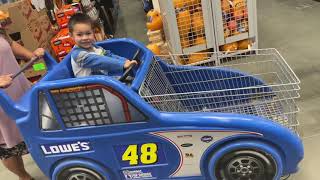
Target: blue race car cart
x=234 y=121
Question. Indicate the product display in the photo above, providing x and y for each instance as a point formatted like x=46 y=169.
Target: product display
x=197 y=57
x=235 y=17
x=4 y=19
x=188 y=25
x=230 y=47
x=185 y=42
x=244 y=44
x=239 y=45
x=154 y=48
x=197 y=23
x=200 y=40
x=90 y=9
x=155 y=33
x=155 y=36
x=64 y=14
x=62 y=43
x=190 y=22
x=184 y=24
x=154 y=21
x=180 y=3
x=29 y=28
x=192 y=26
x=192 y=59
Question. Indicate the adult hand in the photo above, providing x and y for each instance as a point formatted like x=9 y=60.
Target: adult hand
x=5 y=80
x=39 y=52
x=128 y=63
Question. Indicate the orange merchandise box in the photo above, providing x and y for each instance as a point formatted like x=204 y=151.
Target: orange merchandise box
x=62 y=43
x=64 y=14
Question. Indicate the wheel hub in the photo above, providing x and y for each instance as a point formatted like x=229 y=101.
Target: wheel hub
x=81 y=176
x=244 y=168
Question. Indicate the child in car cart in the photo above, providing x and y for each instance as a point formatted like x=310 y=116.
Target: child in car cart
x=89 y=59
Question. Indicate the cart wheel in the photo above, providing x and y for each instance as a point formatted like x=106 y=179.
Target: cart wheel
x=245 y=165
x=79 y=173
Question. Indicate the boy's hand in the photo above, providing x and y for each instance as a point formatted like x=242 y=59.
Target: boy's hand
x=5 y=81
x=39 y=52
x=128 y=63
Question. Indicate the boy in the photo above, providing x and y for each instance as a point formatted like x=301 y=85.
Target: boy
x=89 y=59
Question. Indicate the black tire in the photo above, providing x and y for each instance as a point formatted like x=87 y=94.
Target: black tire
x=79 y=173
x=245 y=165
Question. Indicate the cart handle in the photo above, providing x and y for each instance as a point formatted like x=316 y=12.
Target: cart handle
x=26 y=66
x=50 y=62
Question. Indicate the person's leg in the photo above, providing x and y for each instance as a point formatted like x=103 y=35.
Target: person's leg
x=15 y=165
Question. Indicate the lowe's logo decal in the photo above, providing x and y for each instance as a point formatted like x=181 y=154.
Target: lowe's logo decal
x=50 y=149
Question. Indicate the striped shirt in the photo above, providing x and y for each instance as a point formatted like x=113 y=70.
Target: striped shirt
x=96 y=61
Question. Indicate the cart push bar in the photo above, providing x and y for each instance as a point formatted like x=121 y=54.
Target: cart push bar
x=49 y=61
x=26 y=66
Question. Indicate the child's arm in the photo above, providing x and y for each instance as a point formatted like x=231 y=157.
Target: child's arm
x=127 y=63
x=93 y=61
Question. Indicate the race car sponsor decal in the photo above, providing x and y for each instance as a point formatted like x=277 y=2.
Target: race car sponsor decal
x=186 y=145
x=206 y=139
x=190 y=156
x=65 y=148
x=138 y=174
x=140 y=154
x=184 y=136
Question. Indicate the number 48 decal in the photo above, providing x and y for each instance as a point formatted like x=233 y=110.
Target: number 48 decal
x=148 y=154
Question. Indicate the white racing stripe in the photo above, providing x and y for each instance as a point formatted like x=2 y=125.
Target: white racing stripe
x=191 y=145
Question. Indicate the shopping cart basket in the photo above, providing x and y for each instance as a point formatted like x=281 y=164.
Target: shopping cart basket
x=257 y=82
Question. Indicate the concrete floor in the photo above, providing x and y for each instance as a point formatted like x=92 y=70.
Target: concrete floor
x=292 y=27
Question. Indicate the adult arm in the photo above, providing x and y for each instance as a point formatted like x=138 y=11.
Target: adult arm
x=5 y=80
x=24 y=53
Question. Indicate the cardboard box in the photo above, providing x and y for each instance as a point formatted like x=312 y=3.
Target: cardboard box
x=62 y=43
x=30 y=28
x=61 y=58
x=155 y=33
x=155 y=36
x=65 y=14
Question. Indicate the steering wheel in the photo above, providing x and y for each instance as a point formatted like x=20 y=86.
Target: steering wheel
x=129 y=69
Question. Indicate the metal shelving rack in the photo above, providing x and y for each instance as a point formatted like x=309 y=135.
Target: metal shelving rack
x=235 y=20
x=223 y=21
x=187 y=25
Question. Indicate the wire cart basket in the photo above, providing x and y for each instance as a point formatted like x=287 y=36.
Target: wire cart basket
x=258 y=82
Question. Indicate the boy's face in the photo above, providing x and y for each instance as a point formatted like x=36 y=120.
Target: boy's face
x=83 y=35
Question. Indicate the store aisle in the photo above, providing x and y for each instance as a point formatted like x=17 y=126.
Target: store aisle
x=132 y=21
x=292 y=27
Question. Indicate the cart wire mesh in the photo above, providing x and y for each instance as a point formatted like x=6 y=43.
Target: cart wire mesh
x=258 y=82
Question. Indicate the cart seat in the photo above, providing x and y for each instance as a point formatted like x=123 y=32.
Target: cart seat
x=124 y=47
